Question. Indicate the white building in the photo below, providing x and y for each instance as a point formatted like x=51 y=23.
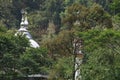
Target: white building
x=23 y=30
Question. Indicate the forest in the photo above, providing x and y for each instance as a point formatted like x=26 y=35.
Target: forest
x=54 y=24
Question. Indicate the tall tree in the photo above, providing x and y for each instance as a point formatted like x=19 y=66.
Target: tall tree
x=101 y=50
x=11 y=47
x=85 y=18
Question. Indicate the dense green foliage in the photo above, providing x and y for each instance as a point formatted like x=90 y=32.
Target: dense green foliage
x=55 y=24
x=18 y=59
x=101 y=61
x=11 y=48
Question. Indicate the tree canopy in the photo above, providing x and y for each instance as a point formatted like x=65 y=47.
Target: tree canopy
x=54 y=24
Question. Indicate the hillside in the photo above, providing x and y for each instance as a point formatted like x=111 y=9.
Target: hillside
x=79 y=39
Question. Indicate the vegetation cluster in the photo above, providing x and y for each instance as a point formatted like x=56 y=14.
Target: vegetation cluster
x=54 y=24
